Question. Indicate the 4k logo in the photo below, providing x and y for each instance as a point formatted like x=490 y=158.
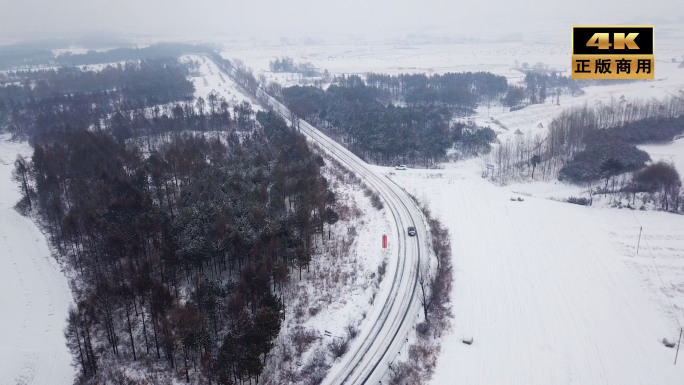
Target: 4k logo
x=602 y=40
x=612 y=52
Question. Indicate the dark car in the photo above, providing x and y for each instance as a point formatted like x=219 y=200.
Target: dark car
x=412 y=231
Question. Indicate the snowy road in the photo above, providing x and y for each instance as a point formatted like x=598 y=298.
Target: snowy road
x=386 y=329
x=541 y=286
x=34 y=294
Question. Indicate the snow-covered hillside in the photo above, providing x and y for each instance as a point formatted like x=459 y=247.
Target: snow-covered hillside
x=34 y=294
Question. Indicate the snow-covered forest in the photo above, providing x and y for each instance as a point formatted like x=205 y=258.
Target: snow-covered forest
x=178 y=213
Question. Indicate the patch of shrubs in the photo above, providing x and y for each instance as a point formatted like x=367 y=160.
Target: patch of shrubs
x=652 y=130
x=578 y=201
x=601 y=160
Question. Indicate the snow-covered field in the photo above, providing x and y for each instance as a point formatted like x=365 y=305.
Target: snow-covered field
x=210 y=78
x=396 y=57
x=84 y=67
x=393 y=57
x=671 y=152
x=34 y=294
x=554 y=293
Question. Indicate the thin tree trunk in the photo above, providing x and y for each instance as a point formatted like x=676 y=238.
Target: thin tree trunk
x=130 y=330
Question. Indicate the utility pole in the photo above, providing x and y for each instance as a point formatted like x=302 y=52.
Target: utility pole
x=639 y=242
x=678 y=343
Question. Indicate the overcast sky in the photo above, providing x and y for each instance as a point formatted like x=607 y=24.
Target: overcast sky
x=292 y=18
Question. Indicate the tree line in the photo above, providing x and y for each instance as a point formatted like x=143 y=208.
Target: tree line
x=149 y=81
x=597 y=147
x=287 y=64
x=361 y=115
x=242 y=74
x=380 y=132
x=30 y=55
x=455 y=90
x=39 y=102
x=177 y=255
x=539 y=86
x=591 y=144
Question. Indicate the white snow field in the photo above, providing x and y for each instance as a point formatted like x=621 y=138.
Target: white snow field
x=210 y=78
x=34 y=294
x=672 y=152
x=554 y=293
x=376 y=54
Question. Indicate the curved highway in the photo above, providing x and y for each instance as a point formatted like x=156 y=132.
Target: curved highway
x=387 y=327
